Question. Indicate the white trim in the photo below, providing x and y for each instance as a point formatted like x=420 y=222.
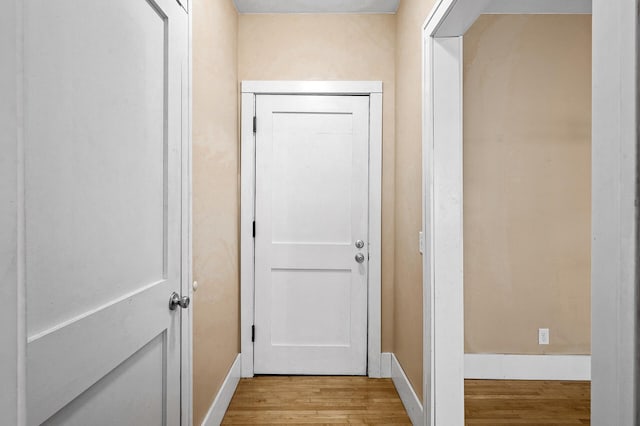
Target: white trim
x=247 y=215
x=385 y=365
x=452 y=18
x=443 y=280
x=220 y=404
x=374 y=299
x=540 y=7
x=527 y=367
x=312 y=87
x=615 y=296
x=247 y=198
x=443 y=304
x=186 y=372
x=408 y=397
x=314 y=6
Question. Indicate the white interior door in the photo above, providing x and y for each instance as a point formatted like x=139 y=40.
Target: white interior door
x=312 y=156
x=103 y=106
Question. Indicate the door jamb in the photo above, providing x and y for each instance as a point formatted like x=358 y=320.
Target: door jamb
x=249 y=89
x=442 y=124
x=186 y=335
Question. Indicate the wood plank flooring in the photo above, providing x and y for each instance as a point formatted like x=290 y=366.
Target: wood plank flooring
x=359 y=400
x=526 y=403
x=315 y=400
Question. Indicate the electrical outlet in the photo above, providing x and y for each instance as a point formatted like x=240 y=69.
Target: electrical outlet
x=543 y=336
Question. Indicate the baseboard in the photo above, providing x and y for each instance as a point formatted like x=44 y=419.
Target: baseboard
x=527 y=367
x=221 y=403
x=385 y=365
x=409 y=398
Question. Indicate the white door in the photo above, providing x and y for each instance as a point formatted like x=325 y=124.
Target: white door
x=103 y=102
x=312 y=156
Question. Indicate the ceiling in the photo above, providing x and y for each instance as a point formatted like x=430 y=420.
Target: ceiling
x=317 y=6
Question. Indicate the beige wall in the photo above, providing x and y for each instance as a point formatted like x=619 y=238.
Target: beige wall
x=408 y=197
x=527 y=176
x=536 y=186
x=215 y=198
x=333 y=47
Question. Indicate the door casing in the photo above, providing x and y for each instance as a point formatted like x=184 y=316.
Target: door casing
x=250 y=89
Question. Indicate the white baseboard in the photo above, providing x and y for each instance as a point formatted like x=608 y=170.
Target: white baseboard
x=385 y=365
x=221 y=403
x=409 y=398
x=527 y=367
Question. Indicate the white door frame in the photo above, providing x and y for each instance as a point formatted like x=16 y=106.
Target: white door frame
x=12 y=225
x=186 y=376
x=443 y=304
x=250 y=89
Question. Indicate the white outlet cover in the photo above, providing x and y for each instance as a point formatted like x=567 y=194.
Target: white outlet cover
x=543 y=336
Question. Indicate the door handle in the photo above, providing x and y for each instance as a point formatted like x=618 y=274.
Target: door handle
x=176 y=301
x=359 y=257
x=359 y=244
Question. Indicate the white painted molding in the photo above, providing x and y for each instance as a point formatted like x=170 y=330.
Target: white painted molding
x=527 y=367
x=221 y=403
x=385 y=365
x=315 y=6
x=452 y=18
x=615 y=296
x=374 y=294
x=249 y=90
x=555 y=7
x=409 y=398
x=312 y=87
x=247 y=201
x=186 y=374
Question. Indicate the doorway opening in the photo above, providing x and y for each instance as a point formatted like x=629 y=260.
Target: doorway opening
x=443 y=272
x=527 y=216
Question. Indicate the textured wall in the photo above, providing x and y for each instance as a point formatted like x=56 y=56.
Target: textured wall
x=408 y=201
x=527 y=184
x=215 y=198
x=333 y=47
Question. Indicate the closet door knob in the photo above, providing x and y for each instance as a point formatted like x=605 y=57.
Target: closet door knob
x=176 y=301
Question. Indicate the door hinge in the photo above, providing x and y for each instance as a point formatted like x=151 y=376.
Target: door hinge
x=255 y=124
x=253 y=333
x=254 y=229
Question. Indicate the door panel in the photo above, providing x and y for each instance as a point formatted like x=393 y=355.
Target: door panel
x=323 y=181
x=144 y=372
x=311 y=207
x=95 y=155
x=103 y=199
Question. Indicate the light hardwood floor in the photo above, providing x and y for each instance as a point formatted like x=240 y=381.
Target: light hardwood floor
x=527 y=403
x=343 y=400
x=315 y=400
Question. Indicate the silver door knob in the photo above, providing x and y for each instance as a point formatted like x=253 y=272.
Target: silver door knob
x=359 y=244
x=176 y=301
x=359 y=257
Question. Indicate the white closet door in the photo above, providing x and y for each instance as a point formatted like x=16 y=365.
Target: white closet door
x=311 y=209
x=103 y=174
